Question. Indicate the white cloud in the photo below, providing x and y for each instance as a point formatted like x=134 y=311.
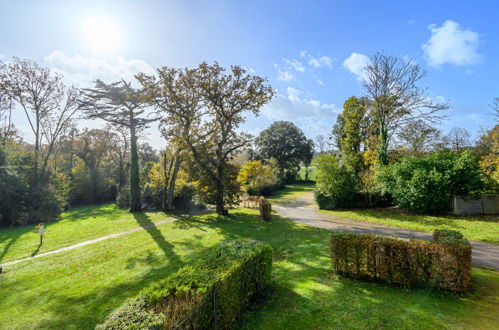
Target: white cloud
x=451 y=44
x=283 y=75
x=317 y=62
x=294 y=106
x=82 y=70
x=295 y=64
x=356 y=63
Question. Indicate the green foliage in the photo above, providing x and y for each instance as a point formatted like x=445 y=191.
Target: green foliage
x=123 y=197
x=89 y=186
x=12 y=196
x=258 y=179
x=354 y=111
x=210 y=294
x=207 y=188
x=48 y=199
x=428 y=184
x=409 y=264
x=447 y=236
x=335 y=185
x=287 y=144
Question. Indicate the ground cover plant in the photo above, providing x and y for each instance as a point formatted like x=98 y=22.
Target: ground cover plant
x=79 y=288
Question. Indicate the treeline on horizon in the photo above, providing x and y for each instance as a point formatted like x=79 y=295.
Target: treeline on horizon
x=207 y=159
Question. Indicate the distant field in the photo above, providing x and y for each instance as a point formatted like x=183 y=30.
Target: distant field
x=311 y=172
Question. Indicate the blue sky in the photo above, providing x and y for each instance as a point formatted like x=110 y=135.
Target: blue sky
x=312 y=52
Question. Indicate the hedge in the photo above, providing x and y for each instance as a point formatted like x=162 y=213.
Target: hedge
x=443 y=264
x=209 y=295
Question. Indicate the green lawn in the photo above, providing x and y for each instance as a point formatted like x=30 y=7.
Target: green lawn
x=290 y=193
x=312 y=170
x=76 y=289
x=76 y=225
x=479 y=228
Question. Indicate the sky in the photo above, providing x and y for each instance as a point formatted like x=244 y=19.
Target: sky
x=312 y=52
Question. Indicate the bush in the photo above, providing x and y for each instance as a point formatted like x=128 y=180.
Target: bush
x=335 y=185
x=427 y=185
x=123 y=197
x=257 y=178
x=447 y=236
x=184 y=195
x=208 y=295
x=265 y=208
x=444 y=265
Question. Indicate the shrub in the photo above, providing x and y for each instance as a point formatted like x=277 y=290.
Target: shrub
x=447 y=236
x=257 y=178
x=123 y=197
x=444 y=265
x=335 y=185
x=428 y=184
x=184 y=195
x=208 y=295
x=265 y=208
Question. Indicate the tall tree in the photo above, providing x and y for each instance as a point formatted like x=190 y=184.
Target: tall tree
x=121 y=104
x=338 y=132
x=320 y=142
x=457 y=139
x=203 y=109
x=286 y=143
x=418 y=136
x=175 y=95
x=47 y=103
x=354 y=122
x=391 y=84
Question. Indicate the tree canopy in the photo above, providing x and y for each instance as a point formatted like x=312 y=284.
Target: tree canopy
x=285 y=143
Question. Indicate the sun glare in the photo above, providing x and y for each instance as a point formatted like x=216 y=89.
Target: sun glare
x=102 y=34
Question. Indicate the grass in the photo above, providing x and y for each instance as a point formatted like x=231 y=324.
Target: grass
x=290 y=193
x=479 y=228
x=76 y=225
x=311 y=174
x=76 y=289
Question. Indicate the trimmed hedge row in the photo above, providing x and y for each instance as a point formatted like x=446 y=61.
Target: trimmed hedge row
x=209 y=295
x=443 y=264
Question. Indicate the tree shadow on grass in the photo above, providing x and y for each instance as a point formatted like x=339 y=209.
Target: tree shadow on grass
x=11 y=235
x=146 y=223
x=85 y=311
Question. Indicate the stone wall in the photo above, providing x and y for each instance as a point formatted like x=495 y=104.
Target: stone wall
x=470 y=205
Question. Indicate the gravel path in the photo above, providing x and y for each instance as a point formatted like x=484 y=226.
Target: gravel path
x=304 y=210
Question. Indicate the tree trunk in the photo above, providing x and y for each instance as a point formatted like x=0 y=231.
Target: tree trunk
x=134 y=172
x=171 y=184
x=383 y=148
x=37 y=151
x=219 y=200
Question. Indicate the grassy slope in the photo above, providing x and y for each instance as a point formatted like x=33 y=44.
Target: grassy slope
x=479 y=228
x=77 y=289
x=100 y=220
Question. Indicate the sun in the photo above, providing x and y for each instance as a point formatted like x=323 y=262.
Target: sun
x=102 y=34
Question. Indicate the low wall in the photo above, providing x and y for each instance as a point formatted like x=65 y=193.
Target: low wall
x=471 y=205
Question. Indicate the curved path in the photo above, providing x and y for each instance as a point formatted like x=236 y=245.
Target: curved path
x=92 y=241
x=304 y=210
